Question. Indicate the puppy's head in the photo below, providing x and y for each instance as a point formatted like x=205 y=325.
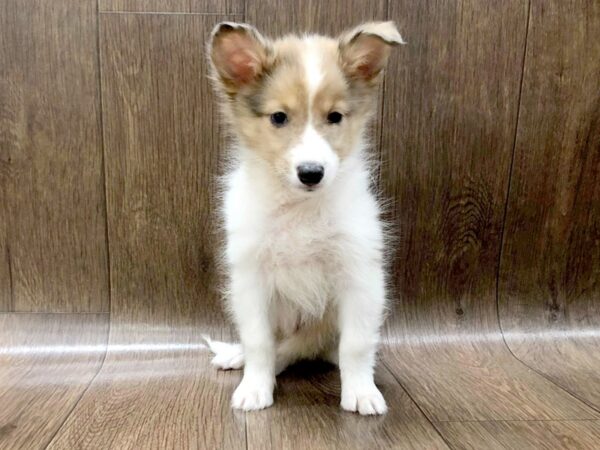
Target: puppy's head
x=300 y=104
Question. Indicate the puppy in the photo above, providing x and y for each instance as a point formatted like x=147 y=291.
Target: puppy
x=304 y=242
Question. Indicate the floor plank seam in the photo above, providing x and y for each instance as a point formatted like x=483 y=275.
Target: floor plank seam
x=551 y=380
x=421 y=410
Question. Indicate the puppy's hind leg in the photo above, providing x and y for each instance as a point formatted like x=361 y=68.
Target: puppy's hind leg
x=227 y=356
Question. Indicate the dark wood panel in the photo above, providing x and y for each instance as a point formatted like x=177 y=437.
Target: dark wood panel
x=450 y=115
x=46 y=363
x=163 y=149
x=157 y=388
x=185 y=6
x=52 y=155
x=5 y=276
x=530 y=435
x=550 y=277
x=277 y=18
x=308 y=398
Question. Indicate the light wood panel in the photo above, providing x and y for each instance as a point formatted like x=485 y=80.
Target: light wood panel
x=52 y=156
x=155 y=399
x=184 y=6
x=550 y=277
x=450 y=116
x=46 y=363
x=478 y=380
x=525 y=435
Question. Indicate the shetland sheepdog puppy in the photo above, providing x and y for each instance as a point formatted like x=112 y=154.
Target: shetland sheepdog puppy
x=304 y=245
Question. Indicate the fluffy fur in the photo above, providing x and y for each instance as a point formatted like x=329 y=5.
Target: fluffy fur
x=305 y=263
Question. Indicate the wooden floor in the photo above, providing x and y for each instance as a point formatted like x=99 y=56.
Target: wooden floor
x=488 y=134
x=67 y=382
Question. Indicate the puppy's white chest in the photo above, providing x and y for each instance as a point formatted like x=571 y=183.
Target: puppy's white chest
x=293 y=243
x=298 y=255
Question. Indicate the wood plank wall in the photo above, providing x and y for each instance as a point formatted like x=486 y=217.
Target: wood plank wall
x=550 y=273
x=489 y=136
x=52 y=181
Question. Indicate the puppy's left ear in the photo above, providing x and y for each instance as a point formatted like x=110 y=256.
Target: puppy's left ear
x=364 y=51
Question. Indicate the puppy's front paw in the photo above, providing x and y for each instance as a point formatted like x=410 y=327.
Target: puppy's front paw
x=364 y=398
x=252 y=394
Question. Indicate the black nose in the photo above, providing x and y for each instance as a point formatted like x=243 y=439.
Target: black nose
x=310 y=174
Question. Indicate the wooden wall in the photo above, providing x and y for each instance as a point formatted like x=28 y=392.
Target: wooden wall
x=52 y=173
x=109 y=146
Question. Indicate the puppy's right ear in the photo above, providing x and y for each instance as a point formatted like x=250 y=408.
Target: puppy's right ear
x=239 y=55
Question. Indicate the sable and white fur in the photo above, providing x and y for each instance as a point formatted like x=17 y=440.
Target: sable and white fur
x=305 y=263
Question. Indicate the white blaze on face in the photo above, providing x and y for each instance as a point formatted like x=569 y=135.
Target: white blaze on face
x=313 y=69
x=313 y=148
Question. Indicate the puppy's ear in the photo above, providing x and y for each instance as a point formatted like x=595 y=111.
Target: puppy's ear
x=364 y=51
x=239 y=55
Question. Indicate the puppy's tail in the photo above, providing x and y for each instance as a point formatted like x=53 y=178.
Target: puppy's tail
x=227 y=356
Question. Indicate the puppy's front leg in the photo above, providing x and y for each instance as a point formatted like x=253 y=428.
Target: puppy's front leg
x=250 y=305
x=360 y=316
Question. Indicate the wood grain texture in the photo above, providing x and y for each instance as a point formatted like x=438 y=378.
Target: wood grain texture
x=550 y=277
x=307 y=400
x=525 y=435
x=51 y=169
x=157 y=388
x=159 y=397
x=174 y=6
x=163 y=149
x=277 y=18
x=478 y=379
x=5 y=269
x=450 y=123
x=46 y=363
x=447 y=143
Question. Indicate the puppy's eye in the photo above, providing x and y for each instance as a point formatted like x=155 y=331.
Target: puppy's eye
x=334 y=117
x=279 y=119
